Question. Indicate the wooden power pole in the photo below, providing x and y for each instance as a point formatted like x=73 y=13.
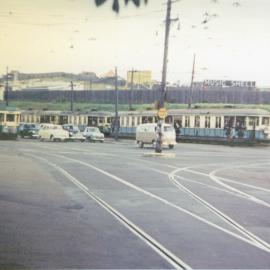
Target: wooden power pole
x=116 y=120
x=191 y=83
x=71 y=95
x=131 y=90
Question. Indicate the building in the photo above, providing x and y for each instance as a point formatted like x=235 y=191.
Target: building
x=140 y=77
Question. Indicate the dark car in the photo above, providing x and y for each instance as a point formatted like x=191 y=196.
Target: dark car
x=28 y=130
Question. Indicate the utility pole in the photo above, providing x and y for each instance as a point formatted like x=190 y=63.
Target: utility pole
x=116 y=124
x=162 y=100
x=191 y=83
x=90 y=84
x=131 y=90
x=71 y=95
x=165 y=54
x=6 y=92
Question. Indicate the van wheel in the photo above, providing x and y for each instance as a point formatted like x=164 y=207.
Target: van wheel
x=171 y=146
x=141 y=144
x=52 y=138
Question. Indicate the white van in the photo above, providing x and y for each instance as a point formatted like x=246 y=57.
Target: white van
x=146 y=134
x=53 y=133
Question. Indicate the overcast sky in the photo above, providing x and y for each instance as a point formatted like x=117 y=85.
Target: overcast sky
x=75 y=36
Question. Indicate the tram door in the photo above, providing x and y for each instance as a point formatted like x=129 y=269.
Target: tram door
x=240 y=126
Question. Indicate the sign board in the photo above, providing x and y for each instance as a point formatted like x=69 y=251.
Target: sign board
x=162 y=113
x=227 y=83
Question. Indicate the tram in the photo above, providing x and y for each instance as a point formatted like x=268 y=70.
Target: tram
x=190 y=124
x=9 y=122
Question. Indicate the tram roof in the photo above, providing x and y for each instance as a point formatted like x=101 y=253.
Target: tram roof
x=8 y=108
x=227 y=111
x=200 y=111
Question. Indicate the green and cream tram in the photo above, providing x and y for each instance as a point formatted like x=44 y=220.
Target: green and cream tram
x=9 y=121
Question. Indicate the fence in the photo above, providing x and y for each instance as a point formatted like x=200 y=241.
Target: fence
x=180 y=95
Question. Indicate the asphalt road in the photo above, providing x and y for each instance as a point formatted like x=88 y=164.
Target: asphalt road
x=115 y=206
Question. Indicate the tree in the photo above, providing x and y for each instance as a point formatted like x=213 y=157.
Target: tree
x=116 y=6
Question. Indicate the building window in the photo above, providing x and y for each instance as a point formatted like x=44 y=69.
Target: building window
x=218 y=122
x=253 y=120
x=207 y=122
x=187 y=121
x=197 y=121
x=10 y=117
x=266 y=121
x=1 y=117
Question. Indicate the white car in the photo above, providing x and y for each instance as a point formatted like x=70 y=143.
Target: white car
x=74 y=133
x=52 y=132
x=93 y=134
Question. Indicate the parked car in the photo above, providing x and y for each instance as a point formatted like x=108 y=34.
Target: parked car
x=146 y=134
x=93 y=134
x=28 y=130
x=53 y=133
x=74 y=133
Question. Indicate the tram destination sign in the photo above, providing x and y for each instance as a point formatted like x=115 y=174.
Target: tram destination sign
x=227 y=83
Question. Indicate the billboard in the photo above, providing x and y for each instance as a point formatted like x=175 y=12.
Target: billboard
x=228 y=83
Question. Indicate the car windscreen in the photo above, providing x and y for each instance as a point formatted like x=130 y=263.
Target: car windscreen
x=168 y=128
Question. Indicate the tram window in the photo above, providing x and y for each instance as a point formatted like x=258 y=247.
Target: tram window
x=1 y=117
x=228 y=121
x=266 y=121
x=101 y=120
x=52 y=118
x=132 y=121
x=253 y=120
x=169 y=119
x=122 y=121
x=207 y=121
x=10 y=117
x=197 y=121
x=240 y=122
x=187 y=121
x=145 y=119
x=218 y=122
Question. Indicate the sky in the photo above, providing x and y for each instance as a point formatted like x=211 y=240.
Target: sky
x=76 y=36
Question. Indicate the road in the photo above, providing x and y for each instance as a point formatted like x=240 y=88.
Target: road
x=116 y=206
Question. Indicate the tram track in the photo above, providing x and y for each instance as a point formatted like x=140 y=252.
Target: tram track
x=160 y=249
x=222 y=215
x=168 y=203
